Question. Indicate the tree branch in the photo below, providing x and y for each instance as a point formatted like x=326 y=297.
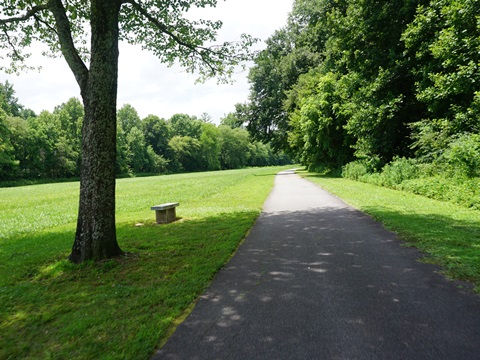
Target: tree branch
x=30 y=13
x=63 y=31
x=67 y=45
x=15 y=51
x=47 y=25
x=163 y=28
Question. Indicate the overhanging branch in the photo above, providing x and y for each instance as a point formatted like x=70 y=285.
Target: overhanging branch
x=30 y=13
x=62 y=30
x=14 y=48
x=198 y=50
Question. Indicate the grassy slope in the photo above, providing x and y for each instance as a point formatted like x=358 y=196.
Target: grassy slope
x=448 y=233
x=119 y=309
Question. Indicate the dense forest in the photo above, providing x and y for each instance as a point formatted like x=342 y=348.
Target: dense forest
x=48 y=145
x=388 y=91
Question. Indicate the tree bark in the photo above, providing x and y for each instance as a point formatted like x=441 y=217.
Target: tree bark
x=95 y=237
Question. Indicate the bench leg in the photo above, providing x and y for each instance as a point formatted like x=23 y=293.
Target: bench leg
x=165 y=216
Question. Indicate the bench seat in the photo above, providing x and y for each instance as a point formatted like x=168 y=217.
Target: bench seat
x=165 y=213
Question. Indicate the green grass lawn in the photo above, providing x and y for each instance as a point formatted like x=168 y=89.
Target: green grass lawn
x=449 y=234
x=122 y=308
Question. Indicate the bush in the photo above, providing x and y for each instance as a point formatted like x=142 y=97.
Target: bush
x=355 y=170
x=462 y=157
x=399 y=170
x=465 y=192
x=440 y=180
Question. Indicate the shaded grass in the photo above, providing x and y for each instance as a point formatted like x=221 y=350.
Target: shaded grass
x=448 y=233
x=122 y=308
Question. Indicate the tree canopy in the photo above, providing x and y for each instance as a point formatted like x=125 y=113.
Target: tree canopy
x=368 y=81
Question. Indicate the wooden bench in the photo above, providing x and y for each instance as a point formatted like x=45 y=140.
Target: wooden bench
x=165 y=213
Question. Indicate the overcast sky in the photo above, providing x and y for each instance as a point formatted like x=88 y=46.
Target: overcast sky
x=151 y=87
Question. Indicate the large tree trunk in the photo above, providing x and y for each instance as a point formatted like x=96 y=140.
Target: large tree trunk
x=95 y=238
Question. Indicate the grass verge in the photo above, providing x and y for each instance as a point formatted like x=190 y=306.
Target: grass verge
x=449 y=234
x=122 y=308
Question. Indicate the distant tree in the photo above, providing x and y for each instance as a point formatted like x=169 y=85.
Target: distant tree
x=259 y=154
x=122 y=153
x=9 y=103
x=184 y=125
x=71 y=118
x=186 y=154
x=235 y=151
x=66 y=158
x=19 y=137
x=8 y=163
x=211 y=145
x=206 y=118
x=65 y=27
x=43 y=134
x=137 y=150
x=156 y=133
x=128 y=118
x=156 y=163
x=231 y=120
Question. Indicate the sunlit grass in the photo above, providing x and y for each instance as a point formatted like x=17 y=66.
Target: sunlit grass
x=449 y=234
x=122 y=308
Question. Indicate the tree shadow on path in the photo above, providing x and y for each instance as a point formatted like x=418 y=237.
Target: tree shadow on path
x=328 y=283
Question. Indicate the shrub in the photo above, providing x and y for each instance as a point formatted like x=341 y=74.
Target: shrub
x=462 y=157
x=355 y=170
x=399 y=170
x=465 y=192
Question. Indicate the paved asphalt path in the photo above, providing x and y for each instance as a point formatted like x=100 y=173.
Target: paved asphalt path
x=316 y=279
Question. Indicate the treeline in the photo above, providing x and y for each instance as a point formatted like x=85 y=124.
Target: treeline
x=372 y=83
x=48 y=145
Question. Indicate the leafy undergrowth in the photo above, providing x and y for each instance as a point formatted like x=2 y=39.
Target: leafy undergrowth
x=448 y=233
x=436 y=181
x=121 y=308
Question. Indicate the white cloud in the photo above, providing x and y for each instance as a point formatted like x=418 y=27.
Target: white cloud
x=150 y=86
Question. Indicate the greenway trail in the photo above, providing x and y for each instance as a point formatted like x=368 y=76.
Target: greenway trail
x=316 y=279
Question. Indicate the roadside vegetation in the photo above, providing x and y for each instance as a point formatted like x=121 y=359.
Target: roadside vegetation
x=448 y=233
x=387 y=91
x=119 y=308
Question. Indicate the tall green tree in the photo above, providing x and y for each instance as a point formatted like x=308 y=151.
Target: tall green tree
x=71 y=117
x=138 y=157
x=291 y=51
x=318 y=136
x=232 y=119
x=235 y=151
x=127 y=117
x=185 y=125
x=186 y=153
x=443 y=40
x=366 y=47
x=210 y=145
x=157 y=134
x=8 y=163
x=66 y=26
x=276 y=69
x=8 y=101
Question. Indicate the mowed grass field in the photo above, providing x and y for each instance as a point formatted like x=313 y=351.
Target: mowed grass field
x=121 y=308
